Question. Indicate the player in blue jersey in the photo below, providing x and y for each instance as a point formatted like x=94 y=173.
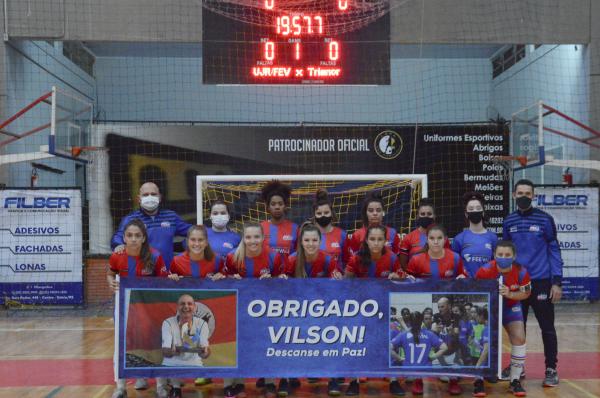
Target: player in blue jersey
x=162 y=224
x=221 y=239
x=475 y=244
x=534 y=234
x=417 y=344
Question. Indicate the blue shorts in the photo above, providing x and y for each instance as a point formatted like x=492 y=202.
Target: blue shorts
x=512 y=313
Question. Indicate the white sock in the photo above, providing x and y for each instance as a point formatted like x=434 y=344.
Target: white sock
x=517 y=361
x=121 y=384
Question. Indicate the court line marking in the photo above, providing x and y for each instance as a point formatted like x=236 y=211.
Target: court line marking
x=102 y=391
x=578 y=388
x=54 y=392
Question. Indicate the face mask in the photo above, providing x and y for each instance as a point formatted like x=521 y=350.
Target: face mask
x=523 y=202
x=219 y=220
x=149 y=203
x=424 y=222
x=475 y=216
x=504 y=262
x=323 y=221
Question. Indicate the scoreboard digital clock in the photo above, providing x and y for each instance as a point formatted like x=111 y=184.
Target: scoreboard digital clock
x=296 y=42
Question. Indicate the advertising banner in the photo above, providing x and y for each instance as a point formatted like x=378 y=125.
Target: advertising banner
x=304 y=328
x=41 y=250
x=575 y=212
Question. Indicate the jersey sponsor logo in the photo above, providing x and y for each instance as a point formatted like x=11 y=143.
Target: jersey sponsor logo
x=513 y=229
x=488 y=246
x=476 y=259
x=385 y=274
x=165 y=224
x=449 y=273
x=388 y=144
x=227 y=245
x=542 y=297
x=287 y=237
x=534 y=228
x=38 y=202
x=516 y=308
x=335 y=245
x=321 y=274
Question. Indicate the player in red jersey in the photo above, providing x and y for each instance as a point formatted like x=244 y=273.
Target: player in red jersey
x=515 y=287
x=436 y=262
x=137 y=260
x=375 y=260
x=334 y=239
x=372 y=213
x=415 y=240
x=199 y=260
x=280 y=233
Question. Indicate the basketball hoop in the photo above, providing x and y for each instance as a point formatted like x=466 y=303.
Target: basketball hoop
x=92 y=152
x=506 y=165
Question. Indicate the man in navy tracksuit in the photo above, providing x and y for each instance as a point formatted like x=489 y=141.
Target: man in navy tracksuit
x=534 y=234
x=162 y=225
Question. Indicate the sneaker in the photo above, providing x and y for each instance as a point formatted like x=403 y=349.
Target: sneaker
x=353 y=388
x=260 y=382
x=283 y=390
x=517 y=389
x=333 y=388
x=240 y=390
x=141 y=384
x=478 y=388
x=161 y=392
x=313 y=380
x=119 y=393
x=396 y=389
x=551 y=379
x=506 y=374
x=454 y=388
x=229 y=392
x=202 y=381
x=417 y=388
x=270 y=390
x=175 y=393
x=294 y=382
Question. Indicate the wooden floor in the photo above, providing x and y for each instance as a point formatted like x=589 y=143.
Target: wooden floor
x=69 y=354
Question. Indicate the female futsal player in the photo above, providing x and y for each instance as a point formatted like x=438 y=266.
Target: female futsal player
x=199 y=260
x=137 y=260
x=437 y=262
x=414 y=241
x=515 y=287
x=333 y=240
x=372 y=214
x=375 y=260
x=252 y=259
x=280 y=233
x=476 y=244
x=221 y=239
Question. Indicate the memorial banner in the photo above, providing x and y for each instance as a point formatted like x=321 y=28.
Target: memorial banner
x=305 y=328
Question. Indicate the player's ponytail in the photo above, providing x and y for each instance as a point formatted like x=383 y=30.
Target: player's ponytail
x=416 y=320
x=300 y=271
x=145 y=252
x=239 y=255
x=372 y=197
x=364 y=253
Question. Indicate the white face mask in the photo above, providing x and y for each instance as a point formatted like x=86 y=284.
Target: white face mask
x=149 y=203
x=219 y=220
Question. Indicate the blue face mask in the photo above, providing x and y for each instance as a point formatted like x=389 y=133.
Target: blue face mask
x=504 y=262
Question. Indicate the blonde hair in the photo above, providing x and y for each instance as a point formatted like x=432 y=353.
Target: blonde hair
x=240 y=253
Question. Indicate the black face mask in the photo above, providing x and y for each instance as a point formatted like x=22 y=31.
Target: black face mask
x=323 y=221
x=475 y=216
x=424 y=222
x=523 y=202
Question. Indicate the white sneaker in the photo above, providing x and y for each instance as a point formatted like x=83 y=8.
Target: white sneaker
x=119 y=393
x=161 y=392
x=141 y=384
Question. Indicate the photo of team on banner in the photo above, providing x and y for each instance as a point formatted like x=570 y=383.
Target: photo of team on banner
x=428 y=330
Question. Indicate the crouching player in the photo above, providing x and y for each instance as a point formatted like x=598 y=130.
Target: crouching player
x=515 y=286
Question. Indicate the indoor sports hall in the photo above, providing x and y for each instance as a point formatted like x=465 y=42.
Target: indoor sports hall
x=174 y=175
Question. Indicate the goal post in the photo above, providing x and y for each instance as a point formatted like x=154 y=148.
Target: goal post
x=400 y=192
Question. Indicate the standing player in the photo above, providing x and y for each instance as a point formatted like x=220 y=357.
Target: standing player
x=252 y=259
x=372 y=213
x=198 y=261
x=280 y=233
x=515 y=287
x=136 y=260
x=221 y=239
x=534 y=234
x=475 y=244
x=415 y=240
x=334 y=238
x=375 y=260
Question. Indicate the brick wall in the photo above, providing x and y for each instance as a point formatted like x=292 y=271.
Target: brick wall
x=96 y=288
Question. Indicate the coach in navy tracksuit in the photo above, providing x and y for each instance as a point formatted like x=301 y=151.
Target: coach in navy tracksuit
x=162 y=225
x=534 y=234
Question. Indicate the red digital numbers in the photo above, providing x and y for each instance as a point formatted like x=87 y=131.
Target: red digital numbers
x=269 y=51
x=297 y=25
